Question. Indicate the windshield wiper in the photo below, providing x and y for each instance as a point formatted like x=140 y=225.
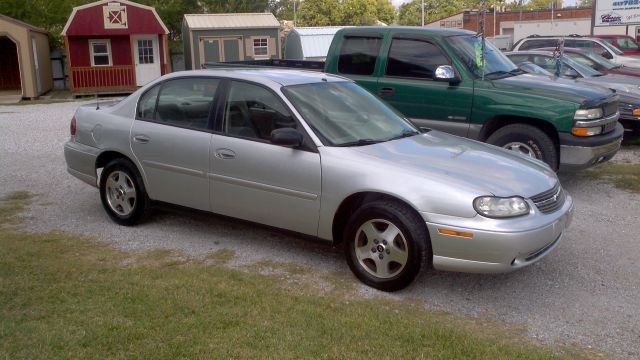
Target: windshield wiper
x=504 y=73
x=404 y=134
x=360 y=142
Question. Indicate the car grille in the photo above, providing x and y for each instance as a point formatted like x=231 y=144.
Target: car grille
x=550 y=200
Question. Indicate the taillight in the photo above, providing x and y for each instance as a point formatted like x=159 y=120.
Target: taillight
x=72 y=127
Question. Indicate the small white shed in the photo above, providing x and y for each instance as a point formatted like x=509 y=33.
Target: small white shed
x=309 y=43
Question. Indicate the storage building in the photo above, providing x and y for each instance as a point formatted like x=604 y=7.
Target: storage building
x=309 y=43
x=25 y=67
x=229 y=37
x=115 y=46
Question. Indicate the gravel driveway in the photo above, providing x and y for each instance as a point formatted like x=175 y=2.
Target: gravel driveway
x=587 y=291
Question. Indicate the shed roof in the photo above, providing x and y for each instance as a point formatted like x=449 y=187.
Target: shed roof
x=231 y=21
x=22 y=23
x=315 y=41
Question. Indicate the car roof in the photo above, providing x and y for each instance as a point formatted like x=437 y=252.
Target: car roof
x=534 y=52
x=408 y=29
x=560 y=37
x=567 y=49
x=274 y=77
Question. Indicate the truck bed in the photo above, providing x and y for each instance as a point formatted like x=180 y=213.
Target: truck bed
x=290 y=64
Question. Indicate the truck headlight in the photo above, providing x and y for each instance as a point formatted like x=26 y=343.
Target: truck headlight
x=589 y=131
x=498 y=207
x=588 y=114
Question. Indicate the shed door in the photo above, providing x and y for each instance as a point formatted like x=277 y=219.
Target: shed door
x=147 y=59
x=220 y=49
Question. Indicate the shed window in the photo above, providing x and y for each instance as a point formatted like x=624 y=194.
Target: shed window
x=100 y=52
x=260 y=47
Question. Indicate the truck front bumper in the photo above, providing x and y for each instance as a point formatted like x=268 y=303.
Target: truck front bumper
x=578 y=153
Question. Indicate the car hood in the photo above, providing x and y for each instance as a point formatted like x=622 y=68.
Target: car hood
x=558 y=88
x=631 y=61
x=625 y=71
x=620 y=83
x=463 y=163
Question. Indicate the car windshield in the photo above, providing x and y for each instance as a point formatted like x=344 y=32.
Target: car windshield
x=583 y=70
x=612 y=48
x=627 y=43
x=469 y=49
x=344 y=114
x=532 y=68
x=592 y=60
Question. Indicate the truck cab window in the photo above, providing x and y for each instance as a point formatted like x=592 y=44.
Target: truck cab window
x=358 y=55
x=414 y=58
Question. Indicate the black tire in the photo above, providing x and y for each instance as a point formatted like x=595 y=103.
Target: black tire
x=138 y=206
x=540 y=143
x=412 y=229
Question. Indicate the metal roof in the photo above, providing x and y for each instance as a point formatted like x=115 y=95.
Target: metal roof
x=315 y=41
x=231 y=21
x=23 y=24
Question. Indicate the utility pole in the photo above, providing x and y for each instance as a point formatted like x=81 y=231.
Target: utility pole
x=422 y=13
x=494 y=19
x=294 y=13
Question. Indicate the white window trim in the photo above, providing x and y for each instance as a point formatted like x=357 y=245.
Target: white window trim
x=91 y=54
x=261 y=56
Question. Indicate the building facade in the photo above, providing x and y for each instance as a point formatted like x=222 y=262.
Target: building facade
x=115 y=46
x=229 y=37
x=25 y=67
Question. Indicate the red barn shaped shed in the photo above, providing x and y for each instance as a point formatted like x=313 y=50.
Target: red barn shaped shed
x=115 y=46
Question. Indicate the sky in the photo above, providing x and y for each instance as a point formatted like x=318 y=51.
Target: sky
x=400 y=2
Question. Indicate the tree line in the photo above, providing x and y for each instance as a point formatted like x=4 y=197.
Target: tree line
x=53 y=14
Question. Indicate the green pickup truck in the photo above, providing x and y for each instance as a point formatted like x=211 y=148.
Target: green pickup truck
x=442 y=79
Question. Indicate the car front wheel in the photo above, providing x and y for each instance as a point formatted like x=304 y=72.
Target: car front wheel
x=122 y=192
x=387 y=245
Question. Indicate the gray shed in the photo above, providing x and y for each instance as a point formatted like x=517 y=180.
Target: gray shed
x=229 y=37
x=309 y=43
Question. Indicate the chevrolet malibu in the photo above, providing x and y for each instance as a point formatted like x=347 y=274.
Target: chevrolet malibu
x=318 y=155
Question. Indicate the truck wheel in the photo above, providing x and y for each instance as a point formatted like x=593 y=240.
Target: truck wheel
x=122 y=192
x=527 y=140
x=387 y=244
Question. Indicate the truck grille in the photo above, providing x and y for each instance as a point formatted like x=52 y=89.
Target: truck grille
x=610 y=108
x=550 y=200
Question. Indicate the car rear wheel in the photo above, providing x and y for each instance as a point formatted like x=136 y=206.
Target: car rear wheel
x=527 y=140
x=122 y=192
x=387 y=245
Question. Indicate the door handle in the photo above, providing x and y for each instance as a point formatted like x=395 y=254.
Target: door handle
x=141 y=139
x=225 y=154
x=386 y=91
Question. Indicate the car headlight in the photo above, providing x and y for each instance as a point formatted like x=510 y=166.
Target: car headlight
x=588 y=114
x=498 y=207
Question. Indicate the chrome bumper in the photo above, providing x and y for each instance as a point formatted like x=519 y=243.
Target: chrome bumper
x=490 y=251
x=81 y=162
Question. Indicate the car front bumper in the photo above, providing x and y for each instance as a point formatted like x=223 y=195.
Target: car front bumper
x=497 y=245
x=81 y=161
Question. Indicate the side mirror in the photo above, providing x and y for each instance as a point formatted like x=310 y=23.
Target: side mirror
x=289 y=137
x=445 y=73
x=570 y=73
x=607 y=55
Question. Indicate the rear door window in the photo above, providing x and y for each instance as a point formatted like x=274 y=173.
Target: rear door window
x=414 y=59
x=538 y=43
x=358 y=55
x=186 y=102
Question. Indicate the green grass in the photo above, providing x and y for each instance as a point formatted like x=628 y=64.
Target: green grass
x=623 y=176
x=64 y=296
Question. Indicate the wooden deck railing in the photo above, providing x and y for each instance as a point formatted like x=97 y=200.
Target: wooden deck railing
x=107 y=78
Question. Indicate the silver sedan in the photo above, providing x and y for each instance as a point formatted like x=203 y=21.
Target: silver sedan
x=319 y=155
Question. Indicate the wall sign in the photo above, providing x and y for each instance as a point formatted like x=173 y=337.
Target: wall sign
x=115 y=16
x=617 y=12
